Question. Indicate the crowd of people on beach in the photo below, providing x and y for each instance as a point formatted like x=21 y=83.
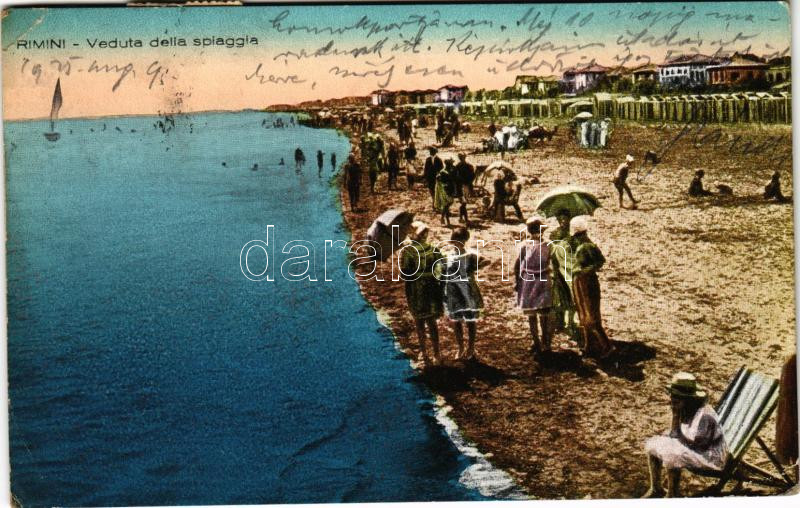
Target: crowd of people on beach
x=555 y=278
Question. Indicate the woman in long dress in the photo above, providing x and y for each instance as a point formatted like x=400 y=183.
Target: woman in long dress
x=443 y=192
x=463 y=303
x=586 y=291
x=694 y=441
x=533 y=285
x=423 y=289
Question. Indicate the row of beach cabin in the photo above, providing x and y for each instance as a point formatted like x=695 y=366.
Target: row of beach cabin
x=761 y=107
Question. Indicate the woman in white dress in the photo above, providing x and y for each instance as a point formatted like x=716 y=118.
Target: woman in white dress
x=695 y=441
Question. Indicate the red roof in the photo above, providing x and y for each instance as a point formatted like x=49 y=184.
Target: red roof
x=696 y=59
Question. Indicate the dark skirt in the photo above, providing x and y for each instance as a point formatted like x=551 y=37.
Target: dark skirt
x=786 y=424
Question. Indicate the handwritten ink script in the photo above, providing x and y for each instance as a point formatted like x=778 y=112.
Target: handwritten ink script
x=412 y=42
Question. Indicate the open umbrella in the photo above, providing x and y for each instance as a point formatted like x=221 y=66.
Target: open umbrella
x=380 y=231
x=576 y=200
x=584 y=115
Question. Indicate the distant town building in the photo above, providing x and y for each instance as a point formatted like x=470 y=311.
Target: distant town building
x=685 y=70
x=579 y=79
x=526 y=85
x=780 y=69
x=737 y=69
x=619 y=74
x=451 y=93
x=382 y=98
x=645 y=72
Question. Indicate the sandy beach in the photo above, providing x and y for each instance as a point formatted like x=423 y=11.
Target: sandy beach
x=699 y=285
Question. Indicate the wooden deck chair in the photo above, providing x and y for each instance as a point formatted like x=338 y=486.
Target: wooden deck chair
x=743 y=409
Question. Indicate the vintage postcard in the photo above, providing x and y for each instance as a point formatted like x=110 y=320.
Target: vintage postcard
x=343 y=252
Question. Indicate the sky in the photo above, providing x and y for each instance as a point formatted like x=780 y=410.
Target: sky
x=320 y=52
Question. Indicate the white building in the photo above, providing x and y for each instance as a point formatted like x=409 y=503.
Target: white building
x=685 y=70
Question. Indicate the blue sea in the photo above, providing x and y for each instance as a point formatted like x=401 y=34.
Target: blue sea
x=145 y=369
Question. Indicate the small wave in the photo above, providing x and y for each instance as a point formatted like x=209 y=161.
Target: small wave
x=481 y=475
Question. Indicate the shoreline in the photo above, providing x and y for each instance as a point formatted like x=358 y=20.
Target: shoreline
x=481 y=476
x=527 y=419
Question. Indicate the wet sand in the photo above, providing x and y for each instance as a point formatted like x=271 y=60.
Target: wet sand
x=701 y=285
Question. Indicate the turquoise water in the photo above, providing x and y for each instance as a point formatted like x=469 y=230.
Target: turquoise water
x=145 y=369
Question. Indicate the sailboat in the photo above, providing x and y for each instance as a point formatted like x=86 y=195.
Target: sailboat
x=53 y=135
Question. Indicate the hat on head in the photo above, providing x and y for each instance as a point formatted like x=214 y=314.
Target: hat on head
x=579 y=225
x=432 y=149
x=462 y=155
x=534 y=219
x=684 y=385
x=700 y=173
x=629 y=158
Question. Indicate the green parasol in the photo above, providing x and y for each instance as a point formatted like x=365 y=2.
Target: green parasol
x=576 y=200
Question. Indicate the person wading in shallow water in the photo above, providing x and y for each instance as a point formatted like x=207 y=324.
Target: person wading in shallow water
x=299 y=158
x=586 y=290
x=423 y=289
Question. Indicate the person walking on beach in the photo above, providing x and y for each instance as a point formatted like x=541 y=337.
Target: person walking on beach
x=562 y=253
x=533 y=285
x=423 y=289
x=352 y=175
x=433 y=164
x=333 y=161
x=299 y=158
x=586 y=290
x=393 y=165
x=695 y=439
x=463 y=303
x=465 y=176
x=499 y=203
x=621 y=181
x=443 y=194
x=410 y=155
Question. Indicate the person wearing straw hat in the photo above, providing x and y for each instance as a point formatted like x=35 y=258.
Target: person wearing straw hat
x=533 y=285
x=423 y=289
x=695 y=440
x=586 y=290
x=621 y=180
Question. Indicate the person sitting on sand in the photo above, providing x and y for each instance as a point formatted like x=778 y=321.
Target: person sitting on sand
x=773 y=189
x=694 y=441
x=423 y=290
x=586 y=290
x=463 y=303
x=533 y=285
x=696 y=189
x=621 y=181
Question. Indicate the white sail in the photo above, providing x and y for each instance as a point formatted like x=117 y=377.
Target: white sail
x=56 y=105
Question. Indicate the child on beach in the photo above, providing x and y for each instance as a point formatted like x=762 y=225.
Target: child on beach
x=533 y=285
x=463 y=303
